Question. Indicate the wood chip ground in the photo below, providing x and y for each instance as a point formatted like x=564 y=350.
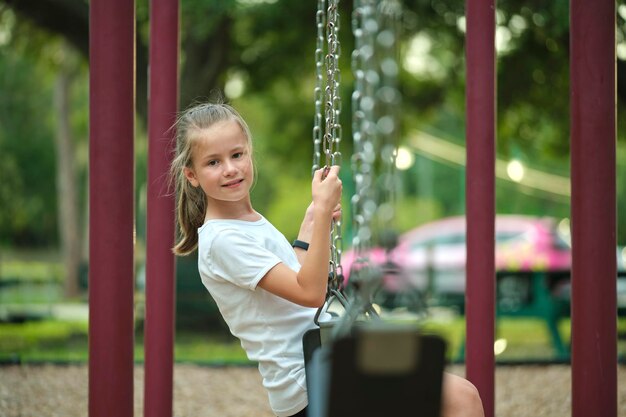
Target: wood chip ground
x=61 y=391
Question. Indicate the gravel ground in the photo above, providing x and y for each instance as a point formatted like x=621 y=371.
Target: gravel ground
x=51 y=391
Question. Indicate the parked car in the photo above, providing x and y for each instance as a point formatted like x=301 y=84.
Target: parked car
x=431 y=258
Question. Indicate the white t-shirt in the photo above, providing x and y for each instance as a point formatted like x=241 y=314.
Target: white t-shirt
x=233 y=256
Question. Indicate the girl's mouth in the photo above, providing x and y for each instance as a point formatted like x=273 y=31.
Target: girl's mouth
x=232 y=184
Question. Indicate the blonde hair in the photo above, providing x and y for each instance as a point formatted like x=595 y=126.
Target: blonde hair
x=191 y=201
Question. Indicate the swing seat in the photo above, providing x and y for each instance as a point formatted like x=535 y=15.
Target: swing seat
x=378 y=370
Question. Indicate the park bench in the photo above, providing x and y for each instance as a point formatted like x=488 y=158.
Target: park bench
x=544 y=295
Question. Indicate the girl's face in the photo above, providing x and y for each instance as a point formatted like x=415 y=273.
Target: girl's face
x=221 y=164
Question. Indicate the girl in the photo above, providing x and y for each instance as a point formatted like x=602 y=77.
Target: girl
x=266 y=290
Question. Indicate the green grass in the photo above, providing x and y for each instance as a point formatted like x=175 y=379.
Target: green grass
x=199 y=348
x=30 y=278
x=43 y=341
x=67 y=341
x=526 y=339
x=32 y=271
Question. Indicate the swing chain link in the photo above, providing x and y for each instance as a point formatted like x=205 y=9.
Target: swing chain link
x=364 y=136
x=318 y=94
x=375 y=103
x=327 y=128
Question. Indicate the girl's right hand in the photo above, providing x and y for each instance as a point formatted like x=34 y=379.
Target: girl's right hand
x=326 y=190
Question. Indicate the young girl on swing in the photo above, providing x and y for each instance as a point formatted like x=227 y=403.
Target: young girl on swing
x=267 y=291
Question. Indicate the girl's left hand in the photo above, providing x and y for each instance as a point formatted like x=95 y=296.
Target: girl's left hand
x=308 y=215
x=336 y=212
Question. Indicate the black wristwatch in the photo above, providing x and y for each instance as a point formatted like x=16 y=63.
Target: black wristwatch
x=300 y=244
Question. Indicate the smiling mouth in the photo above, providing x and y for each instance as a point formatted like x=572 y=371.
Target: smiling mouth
x=232 y=183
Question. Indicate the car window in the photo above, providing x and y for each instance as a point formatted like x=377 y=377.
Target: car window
x=506 y=236
x=449 y=239
x=459 y=238
x=559 y=243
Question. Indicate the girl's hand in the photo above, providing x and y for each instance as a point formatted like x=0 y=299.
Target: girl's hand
x=306 y=228
x=326 y=190
x=310 y=210
x=337 y=212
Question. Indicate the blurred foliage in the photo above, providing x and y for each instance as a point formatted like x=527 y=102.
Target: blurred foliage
x=24 y=336
x=66 y=341
x=31 y=271
x=26 y=149
x=262 y=54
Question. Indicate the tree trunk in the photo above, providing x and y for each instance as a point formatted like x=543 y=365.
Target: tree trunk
x=68 y=221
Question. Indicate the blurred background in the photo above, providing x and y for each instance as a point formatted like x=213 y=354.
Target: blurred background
x=260 y=54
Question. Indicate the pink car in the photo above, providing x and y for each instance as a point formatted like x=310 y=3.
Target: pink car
x=432 y=256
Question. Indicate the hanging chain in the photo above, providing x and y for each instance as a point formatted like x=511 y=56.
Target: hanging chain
x=327 y=129
x=389 y=101
x=318 y=93
x=375 y=103
x=366 y=79
x=332 y=135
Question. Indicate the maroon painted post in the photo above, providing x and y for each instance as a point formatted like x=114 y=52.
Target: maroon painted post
x=111 y=208
x=160 y=269
x=480 y=198
x=594 y=269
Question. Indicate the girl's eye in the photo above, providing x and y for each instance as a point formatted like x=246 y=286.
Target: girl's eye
x=238 y=155
x=212 y=162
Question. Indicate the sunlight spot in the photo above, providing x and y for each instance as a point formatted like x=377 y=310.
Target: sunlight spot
x=563 y=230
x=418 y=60
x=517 y=24
x=499 y=346
x=404 y=159
x=515 y=170
x=234 y=87
x=503 y=39
x=621 y=51
x=460 y=24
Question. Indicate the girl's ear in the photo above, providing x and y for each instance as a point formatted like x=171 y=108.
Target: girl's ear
x=191 y=176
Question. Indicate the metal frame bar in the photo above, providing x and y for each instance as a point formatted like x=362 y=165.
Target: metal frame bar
x=594 y=265
x=160 y=266
x=111 y=207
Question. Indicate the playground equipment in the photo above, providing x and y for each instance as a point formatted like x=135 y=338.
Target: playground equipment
x=594 y=351
x=327 y=129
x=388 y=367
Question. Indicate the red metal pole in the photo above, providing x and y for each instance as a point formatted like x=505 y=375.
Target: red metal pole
x=480 y=198
x=111 y=216
x=160 y=281
x=594 y=269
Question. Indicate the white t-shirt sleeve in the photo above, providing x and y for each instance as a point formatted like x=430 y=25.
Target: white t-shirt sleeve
x=239 y=258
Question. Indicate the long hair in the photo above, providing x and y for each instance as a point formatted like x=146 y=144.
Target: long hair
x=191 y=203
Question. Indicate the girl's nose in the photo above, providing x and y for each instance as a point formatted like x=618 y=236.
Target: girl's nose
x=229 y=168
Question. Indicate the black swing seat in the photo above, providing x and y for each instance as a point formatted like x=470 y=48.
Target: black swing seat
x=378 y=370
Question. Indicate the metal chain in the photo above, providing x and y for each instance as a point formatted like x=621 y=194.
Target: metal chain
x=364 y=201
x=375 y=103
x=389 y=100
x=318 y=93
x=327 y=130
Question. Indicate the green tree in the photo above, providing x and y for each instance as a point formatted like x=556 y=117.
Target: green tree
x=268 y=48
x=28 y=198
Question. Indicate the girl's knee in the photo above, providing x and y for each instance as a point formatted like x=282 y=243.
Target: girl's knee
x=460 y=398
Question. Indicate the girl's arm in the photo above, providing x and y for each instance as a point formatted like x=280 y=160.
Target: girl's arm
x=305 y=233
x=306 y=229
x=308 y=286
